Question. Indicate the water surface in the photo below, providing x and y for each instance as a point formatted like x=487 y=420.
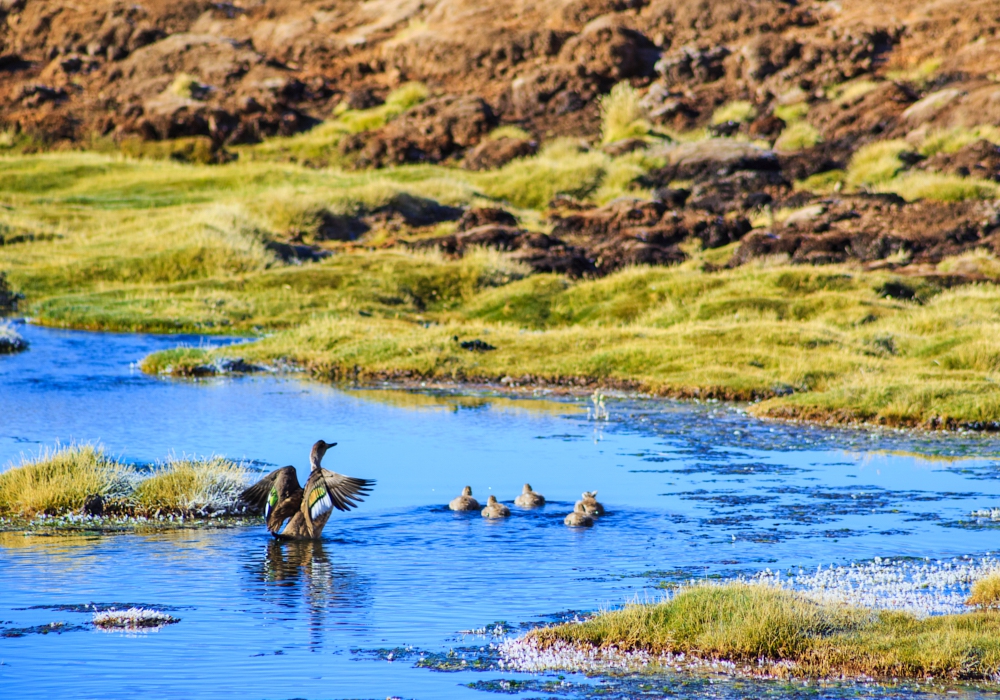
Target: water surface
x=693 y=490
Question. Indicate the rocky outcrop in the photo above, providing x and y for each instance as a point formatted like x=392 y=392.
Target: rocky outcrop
x=431 y=132
x=875 y=227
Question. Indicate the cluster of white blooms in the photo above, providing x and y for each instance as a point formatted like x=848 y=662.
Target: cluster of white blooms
x=133 y=618
x=923 y=587
x=987 y=514
x=523 y=654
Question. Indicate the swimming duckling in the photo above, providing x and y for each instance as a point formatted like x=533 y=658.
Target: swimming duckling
x=579 y=517
x=590 y=504
x=529 y=498
x=465 y=501
x=307 y=509
x=495 y=510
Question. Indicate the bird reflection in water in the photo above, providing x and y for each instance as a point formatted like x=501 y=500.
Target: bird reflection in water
x=300 y=572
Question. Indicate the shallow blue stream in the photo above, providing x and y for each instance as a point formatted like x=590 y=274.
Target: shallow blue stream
x=692 y=489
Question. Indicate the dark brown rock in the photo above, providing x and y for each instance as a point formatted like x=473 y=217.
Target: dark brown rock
x=430 y=132
x=494 y=153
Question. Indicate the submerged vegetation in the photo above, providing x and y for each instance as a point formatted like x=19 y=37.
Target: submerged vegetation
x=66 y=480
x=776 y=632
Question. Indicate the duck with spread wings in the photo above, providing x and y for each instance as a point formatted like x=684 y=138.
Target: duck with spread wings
x=307 y=509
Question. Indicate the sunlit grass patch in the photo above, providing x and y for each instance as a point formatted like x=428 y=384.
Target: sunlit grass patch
x=919 y=74
x=319 y=145
x=562 y=167
x=791 y=113
x=622 y=115
x=737 y=111
x=951 y=140
x=764 y=630
x=986 y=592
x=940 y=187
x=190 y=486
x=844 y=93
x=60 y=480
x=798 y=136
x=509 y=131
x=178 y=362
x=875 y=163
x=823 y=183
x=979 y=261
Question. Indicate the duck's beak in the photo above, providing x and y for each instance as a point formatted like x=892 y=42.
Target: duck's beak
x=330 y=444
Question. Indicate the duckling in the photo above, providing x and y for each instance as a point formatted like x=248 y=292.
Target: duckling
x=579 y=517
x=590 y=504
x=306 y=509
x=529 y=498
x=465 y=501
x=495 y=510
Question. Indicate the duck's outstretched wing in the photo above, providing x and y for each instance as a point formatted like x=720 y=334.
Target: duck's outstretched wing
x=326 y=490
x=274 y=488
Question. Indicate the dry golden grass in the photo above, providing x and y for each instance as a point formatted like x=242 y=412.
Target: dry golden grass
x=60 y=480
x=986 y=592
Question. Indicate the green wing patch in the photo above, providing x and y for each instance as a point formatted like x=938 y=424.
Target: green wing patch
x=272 y=501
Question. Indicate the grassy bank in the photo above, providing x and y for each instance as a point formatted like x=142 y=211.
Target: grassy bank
x=61 y=481
x=116 y=244
x=764 y=630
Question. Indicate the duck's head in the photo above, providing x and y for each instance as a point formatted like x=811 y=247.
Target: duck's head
x=467 y=491
x=319 y=449
x=526 y=489
x=491 y=500
x=589 y=494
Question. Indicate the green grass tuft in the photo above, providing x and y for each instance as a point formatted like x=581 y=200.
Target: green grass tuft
x=791 y=113
x=943 y=188
x=622 y=115
x=875 y=163
x=509 y=131
x=986 y=592
x=186 y=486
x=738 y=111
x=797 y=136
x=59 y=481
x=784 y=633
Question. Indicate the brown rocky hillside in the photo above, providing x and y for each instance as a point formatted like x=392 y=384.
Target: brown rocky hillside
x=263 y=67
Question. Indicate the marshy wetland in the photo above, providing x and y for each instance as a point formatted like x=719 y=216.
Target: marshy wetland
x=405 y=598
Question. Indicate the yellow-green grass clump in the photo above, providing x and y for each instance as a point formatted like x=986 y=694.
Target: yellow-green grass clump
x=975 y=262
x=876 y=163
x=986 y=592
x=797 y=136
x=622 y=115
x=60 y=481
x=510 y=131
x=762 y=629
x=938 y=186
x=736 y=111
x=185 y=485
x=320 y=144
x=951 y=140
x=878 y=167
